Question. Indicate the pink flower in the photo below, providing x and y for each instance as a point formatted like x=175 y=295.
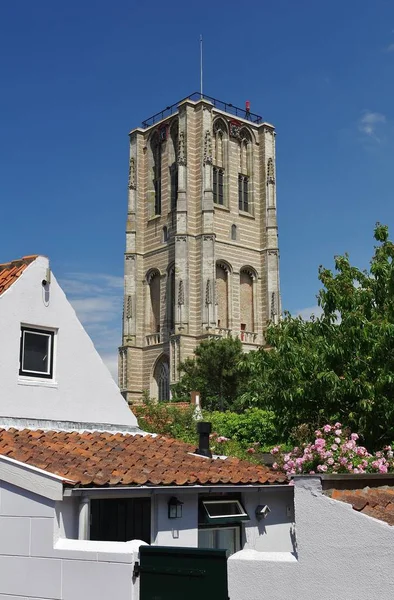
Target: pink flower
x=318 y=433
x=338 y=432
x=338 y=425
x=354 y=436
x=337 y=440
x=330 y=461
x=286 y=457
x=327 y=428
x=275 y=466
x=320 y=443
x=312 y=473
x=382 y=468
x=222 y=439
x=322 y=468
x=250 y=450
x=275 y=450
x=334 y=447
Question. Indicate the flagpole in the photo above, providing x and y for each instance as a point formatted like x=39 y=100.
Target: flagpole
x=201 y=65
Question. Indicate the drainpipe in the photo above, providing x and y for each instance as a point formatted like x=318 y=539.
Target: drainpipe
x=83 y=519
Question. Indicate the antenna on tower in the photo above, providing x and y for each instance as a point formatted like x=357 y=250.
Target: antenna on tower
x=201 y=64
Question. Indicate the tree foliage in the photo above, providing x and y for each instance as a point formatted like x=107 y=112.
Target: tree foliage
x=214 y=372
x=339 y=366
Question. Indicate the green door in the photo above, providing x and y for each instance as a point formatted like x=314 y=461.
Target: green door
x=182 y=573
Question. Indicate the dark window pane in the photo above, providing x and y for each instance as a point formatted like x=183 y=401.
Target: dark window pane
x=240 y=202
x=246 y=199
x=220 y=186
x=215 y=184
x=36 y=349
x=158 y=197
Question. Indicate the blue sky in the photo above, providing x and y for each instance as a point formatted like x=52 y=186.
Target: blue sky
x=75 y=77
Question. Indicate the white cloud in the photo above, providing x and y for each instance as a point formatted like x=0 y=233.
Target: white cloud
x=370 y=123
x=97 y=299
x=306 y=313
x=95 y=309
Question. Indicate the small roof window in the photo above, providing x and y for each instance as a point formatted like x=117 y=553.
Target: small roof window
x=223 y=511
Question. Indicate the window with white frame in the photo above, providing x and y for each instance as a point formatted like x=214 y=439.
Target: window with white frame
x=36 y=352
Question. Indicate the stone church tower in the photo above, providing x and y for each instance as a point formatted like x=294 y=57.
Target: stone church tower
x=201 y=239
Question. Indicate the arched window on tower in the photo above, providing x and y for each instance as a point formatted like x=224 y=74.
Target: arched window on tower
x=245 y=171
x=154 y=301
x=162 y=380
x=222 y=295
x=155 y=146
x=219 y=162
x=246 y=302
x=233 y=232
x=171 y=298
x=173 y=162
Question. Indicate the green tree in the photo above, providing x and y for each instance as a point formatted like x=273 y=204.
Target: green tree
x=339 y=366
x=214 y=372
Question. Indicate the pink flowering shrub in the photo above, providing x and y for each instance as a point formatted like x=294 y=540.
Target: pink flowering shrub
x=333 y=451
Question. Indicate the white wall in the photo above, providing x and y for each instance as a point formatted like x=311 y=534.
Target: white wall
x=84 y=390
x=176 y=532
x=275 y=533
x=36 y=563
x=340 y=553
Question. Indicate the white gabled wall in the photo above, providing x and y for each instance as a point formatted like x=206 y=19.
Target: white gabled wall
x=340 y=554
x=36 y=563
x=84 y=390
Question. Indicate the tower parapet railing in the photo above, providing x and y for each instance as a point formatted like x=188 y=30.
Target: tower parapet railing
x=227 y=107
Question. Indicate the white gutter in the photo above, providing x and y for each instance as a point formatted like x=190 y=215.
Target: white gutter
x=145 y=490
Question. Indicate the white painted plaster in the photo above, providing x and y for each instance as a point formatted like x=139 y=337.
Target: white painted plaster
x=275 y=533
x=340 y=553
x=36 y=563
x=176 y=532
x=83 y=389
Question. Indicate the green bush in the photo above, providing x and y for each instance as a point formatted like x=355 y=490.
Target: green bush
x=250 y=427
x=167 y=420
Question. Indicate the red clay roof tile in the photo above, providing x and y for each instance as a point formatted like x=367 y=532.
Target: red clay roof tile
x=10 y=272
x=100 y=459
x=375 y=502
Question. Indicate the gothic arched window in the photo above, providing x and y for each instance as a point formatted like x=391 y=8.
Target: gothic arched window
x=246 y=301
x=162 y=377
x=173 y=162
x=233 y=232
x=222 y=295
x=155 y=145
x=245 y=171
x=154 y=301
x=219 y=162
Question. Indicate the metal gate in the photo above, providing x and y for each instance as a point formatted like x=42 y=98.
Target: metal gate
x=182 y=573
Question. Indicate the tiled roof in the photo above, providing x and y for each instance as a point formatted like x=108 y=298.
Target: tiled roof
x=10 y=272
x=99 y=459
x=375 y=502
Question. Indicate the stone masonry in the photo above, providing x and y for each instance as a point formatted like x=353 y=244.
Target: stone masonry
x=201 y=240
